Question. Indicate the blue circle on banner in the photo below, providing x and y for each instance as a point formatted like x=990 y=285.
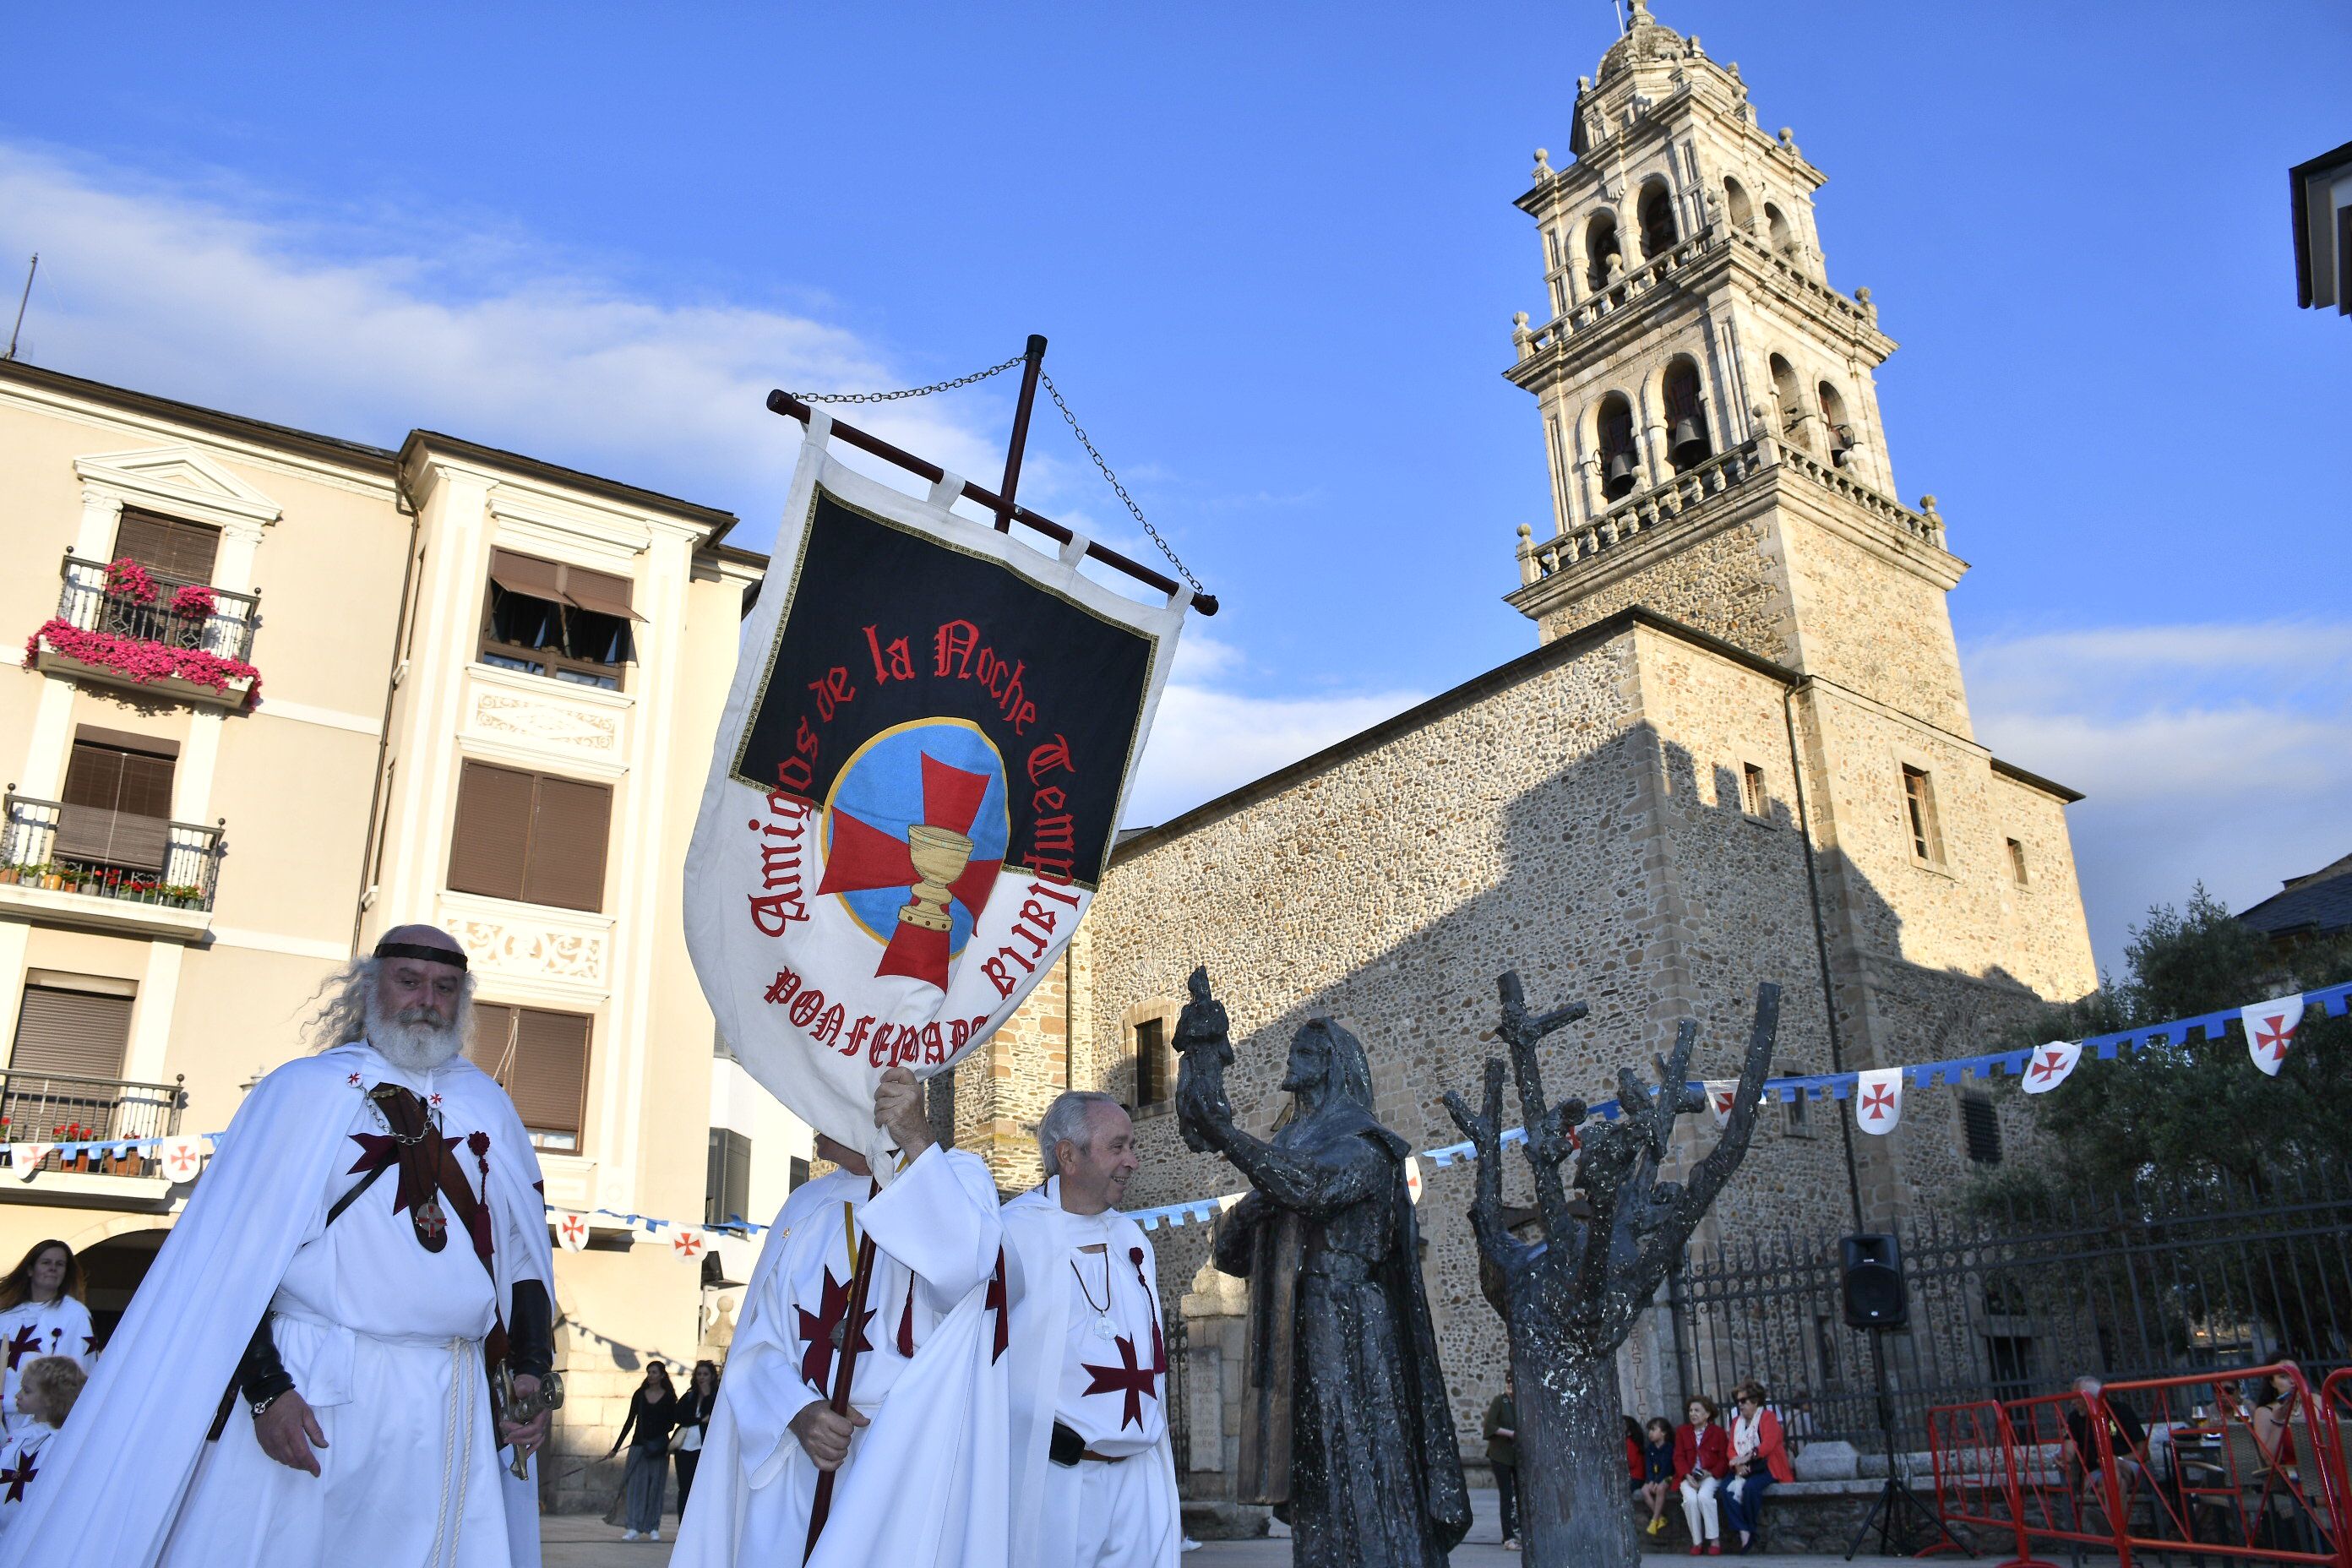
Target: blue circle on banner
x=886 y=789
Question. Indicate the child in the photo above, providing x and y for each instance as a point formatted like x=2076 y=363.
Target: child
x=1702 y=1455
x=43 y=1398
x=1658 y=1470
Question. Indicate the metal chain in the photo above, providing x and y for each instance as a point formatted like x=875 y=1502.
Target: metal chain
x=912 y=391
x=1079 y=431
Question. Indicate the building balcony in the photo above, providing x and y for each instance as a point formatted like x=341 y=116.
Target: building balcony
x=120 y=624
x=106 y=870
x=57 y=1108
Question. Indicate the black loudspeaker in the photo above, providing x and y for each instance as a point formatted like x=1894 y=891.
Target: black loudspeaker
x=1871 y=1283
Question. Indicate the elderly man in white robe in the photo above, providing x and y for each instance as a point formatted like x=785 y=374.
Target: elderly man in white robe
x=918 y=1459
x=303 y=1377
x=1093 y=1472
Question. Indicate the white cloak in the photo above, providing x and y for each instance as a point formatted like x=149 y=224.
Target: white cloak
x=32 y=1329
x=408 y=1422
x=1042 y=1289
x=924 y=1483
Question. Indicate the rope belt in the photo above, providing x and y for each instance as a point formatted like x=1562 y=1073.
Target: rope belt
x=457 y=1450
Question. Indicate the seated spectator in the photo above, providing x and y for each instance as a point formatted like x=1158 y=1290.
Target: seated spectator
x=2229 y=1403
x=1657 y=1470
x=2274 y=1406
x=2127 y=1439
x=44 y=1399
x=1702 y=1455
x=1758 y=1458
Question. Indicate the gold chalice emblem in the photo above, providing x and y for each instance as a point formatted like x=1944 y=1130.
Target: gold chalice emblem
x=940 y=855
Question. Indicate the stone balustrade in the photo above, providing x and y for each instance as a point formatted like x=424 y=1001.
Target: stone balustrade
x=1681 y=258
x=1925 y=526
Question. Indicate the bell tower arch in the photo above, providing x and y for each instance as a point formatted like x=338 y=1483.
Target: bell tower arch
x=1708 y=400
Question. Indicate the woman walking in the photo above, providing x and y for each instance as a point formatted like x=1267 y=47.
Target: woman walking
x=652 y=1416
x=694 y=1409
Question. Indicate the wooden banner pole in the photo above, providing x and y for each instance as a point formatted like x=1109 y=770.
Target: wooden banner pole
x=861 y=1275
x=1034 y=365
x=791 y=408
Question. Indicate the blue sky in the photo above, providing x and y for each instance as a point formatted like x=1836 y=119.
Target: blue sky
x=1275 y=249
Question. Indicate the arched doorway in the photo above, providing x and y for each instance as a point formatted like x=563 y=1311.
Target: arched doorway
x=112 y=1269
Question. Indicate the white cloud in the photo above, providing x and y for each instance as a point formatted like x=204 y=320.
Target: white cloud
x=2214 y=752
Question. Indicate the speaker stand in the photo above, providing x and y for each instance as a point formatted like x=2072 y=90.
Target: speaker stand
x=1896 y=1497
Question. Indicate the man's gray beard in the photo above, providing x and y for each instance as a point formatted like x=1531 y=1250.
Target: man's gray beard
x=414 y=1039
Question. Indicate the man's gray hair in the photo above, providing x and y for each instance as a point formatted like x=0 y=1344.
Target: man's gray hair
x=1071 y=1117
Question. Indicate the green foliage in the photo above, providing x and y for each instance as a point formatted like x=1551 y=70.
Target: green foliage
x=2197 y=1110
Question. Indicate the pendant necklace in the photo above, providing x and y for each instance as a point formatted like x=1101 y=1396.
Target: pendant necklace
x=1104 y=1327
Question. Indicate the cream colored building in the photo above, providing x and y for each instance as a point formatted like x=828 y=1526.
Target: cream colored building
x=1741 y=752
x=487 y=691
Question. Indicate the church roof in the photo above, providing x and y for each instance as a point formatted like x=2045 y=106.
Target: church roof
x=2318 y=903
x=1645 y=39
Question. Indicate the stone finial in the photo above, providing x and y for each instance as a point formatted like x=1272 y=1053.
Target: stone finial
x=1732 y=70
x=1696 y=51
x=1758 y=412
x=1861 y=294
x=1927 y=506
x=1520 y=319
x=1583 y=85
x=1525 y=533
x=1543 y=164
x=1788 y=137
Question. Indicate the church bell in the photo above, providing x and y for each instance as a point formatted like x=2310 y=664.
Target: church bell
x=1617 y=476
x=1687 y=443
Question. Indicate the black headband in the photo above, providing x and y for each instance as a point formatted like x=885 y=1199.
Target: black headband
x=417 y=950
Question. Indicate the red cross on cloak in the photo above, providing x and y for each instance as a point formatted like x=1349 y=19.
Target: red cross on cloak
x=2048 y=1066
x=1878 y=1103
x=994 y=1302
x=27 y=1342
x=1135 y=1381
x=816 y=1330
x=2273 y=1038
x=862 y=856
x=15 y=1478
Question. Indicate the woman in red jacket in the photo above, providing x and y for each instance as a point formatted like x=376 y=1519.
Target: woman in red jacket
x=1702 y=1458
x=1758 y=1458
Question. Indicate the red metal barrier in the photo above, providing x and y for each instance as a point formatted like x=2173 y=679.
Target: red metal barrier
x=2209 y=1480
x=1975 y=1459
x=2335 y=1403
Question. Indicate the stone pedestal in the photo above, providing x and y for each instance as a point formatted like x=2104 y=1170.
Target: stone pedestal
x=1216 y=1323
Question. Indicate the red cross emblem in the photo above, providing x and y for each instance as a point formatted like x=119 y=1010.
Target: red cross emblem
x=574 y=1230
x=1723 y=1099
x=1135 y=1381
x=27 y=1342
x=994 y=1302
x=354 y=1081
x=687 y=1244
x=817 y=1329
x=437 y=1099
x=2271 y=1037
x=1879 y=1103
x=2048 y=1066
x=15 y=1478
x=182 y=1159
x=938 y=857
x=90 y=1344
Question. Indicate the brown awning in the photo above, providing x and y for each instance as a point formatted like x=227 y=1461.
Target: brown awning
x=602 y=591
x=528 y=575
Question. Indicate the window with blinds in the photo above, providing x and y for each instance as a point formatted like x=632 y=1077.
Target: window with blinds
x=529 y=836
x=182 y=552
x=69 y=1033
x=545 y=617
x=540 y=1059
x=116 y=807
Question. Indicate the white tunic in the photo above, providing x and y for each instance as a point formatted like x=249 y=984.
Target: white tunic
x=384 y=1339
x=22 y=1461
x=32 y=1329
x=923 y=1486
x=1114 y=1357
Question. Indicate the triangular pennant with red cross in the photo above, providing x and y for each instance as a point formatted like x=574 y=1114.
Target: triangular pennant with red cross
x=571 y=1231
x=182 y=1156
x=1412 y=1178
x=2269 y=1031
x=24 y=1158
x=1878 y=1099
x=2050 y=1064
x=1721 y=1094
x=689 y=1244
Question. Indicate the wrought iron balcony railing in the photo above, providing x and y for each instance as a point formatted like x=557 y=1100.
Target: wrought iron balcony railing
x=215 y=621
x=108 y=855
x=59 y=1107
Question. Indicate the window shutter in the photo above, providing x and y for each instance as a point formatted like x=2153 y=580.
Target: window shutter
x=493 y=1036
x=526 y=574
x=549 y=1081
x=73 y=1034
x=184 y=551
x=492 y=840
x=602 y=592
x=570 y=824
x=117 y=808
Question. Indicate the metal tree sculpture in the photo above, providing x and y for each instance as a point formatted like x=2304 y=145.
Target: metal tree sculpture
x=1572 y=1297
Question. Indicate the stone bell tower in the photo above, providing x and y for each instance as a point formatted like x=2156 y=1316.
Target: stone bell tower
x=1708 y=398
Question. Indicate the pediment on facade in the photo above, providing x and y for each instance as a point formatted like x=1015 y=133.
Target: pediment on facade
x=183 y=480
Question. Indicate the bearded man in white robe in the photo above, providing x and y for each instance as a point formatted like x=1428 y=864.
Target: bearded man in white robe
x=1093 y=1472
x=302 y=1378
x=918 y=1459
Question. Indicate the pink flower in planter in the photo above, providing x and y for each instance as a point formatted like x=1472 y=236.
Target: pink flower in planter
x=194 y=599
x=141 y=660
x=128 y=579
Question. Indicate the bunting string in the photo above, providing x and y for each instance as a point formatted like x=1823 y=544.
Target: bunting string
x=2269 y=1028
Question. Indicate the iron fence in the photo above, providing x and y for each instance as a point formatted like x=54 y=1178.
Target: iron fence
x=108 y=855
x=42 y=1107
x=195 y=617
x=2020 y=1300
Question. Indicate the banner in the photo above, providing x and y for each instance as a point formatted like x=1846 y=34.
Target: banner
x=914 y=791
x=2050 y=1065
x=2269 y=1031
x=1878 y=1099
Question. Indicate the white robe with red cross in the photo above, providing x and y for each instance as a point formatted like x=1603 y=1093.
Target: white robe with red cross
x=924 y=1483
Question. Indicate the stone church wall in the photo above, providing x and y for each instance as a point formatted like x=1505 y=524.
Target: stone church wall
x=1719 y=583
